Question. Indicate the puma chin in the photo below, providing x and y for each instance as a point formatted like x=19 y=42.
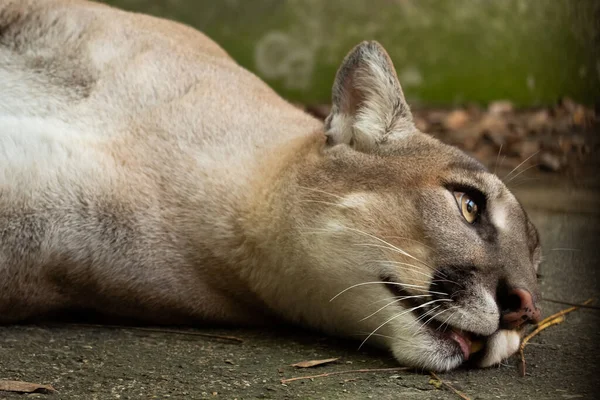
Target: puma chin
x=145 y=175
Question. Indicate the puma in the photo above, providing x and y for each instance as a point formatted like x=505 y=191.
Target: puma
x=145 y=175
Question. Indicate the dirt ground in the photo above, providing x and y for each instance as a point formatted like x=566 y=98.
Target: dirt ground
x=84 y=362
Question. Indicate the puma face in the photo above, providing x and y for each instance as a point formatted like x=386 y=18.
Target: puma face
x=427 y=252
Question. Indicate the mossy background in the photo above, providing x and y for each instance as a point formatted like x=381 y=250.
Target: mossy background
x=446 y=52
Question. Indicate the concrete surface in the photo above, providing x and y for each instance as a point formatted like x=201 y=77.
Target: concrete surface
x=446 y=51
x=103 y=363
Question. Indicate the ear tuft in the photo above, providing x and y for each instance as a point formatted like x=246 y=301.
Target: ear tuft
x=367 y=101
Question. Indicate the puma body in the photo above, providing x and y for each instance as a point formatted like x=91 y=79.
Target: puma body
x=144 y=174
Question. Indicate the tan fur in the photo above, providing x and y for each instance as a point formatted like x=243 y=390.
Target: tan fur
x=144 y=174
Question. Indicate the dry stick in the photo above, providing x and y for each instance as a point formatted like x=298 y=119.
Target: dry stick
x=554 y=319
x=571 y=304
x=161 y=330
x=449 y=386
x=298 y=378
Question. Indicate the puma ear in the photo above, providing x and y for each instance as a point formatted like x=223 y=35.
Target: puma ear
x=368 y=106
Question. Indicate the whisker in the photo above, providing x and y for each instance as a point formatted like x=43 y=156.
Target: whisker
x=391 y=246
x=415 y=287
x=448 y=319
x=521 y=181
x=525 y=170
x=411 y=240
x=393 y=249
x=386 y=245
x=392 y=302
x=498 y=158
x=422 y=317
x=418 y=269
x=376 y=334
x=564 y=249
x=398 y=316
x=398 y=298
x=449 y=281
x=441 y=312
x=523 y=162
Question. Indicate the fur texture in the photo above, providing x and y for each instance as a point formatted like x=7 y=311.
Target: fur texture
x=144 y=174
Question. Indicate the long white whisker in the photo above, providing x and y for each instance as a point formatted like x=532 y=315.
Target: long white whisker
x=416 y=287
x=440 y=313
x=391 y=246
x=416 y=268
x=394 y=250
x=498 y=158
x=399 y=298
x=523 y=162
x=410 y=265
x=377 y=334
x=449 y=281
x=411 y=240
x=448 y=319
x=525 y=170
x=393 y=302
x=398 y=316
x=423 y=316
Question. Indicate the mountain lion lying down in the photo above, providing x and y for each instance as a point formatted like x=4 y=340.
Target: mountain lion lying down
x=145 y=175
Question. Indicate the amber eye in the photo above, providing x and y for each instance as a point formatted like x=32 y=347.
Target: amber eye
x=467 y=206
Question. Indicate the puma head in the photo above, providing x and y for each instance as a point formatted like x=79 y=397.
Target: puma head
x=424 y=250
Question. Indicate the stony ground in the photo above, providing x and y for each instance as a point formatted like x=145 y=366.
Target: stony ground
x=84 y=362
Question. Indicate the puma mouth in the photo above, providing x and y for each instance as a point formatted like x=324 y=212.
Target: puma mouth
x=465 y=342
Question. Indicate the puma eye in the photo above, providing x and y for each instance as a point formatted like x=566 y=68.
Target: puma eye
x=467 y=206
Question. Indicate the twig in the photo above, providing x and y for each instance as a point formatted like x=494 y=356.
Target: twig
x=566 y=311
x=449 y=386
x=571 y=304
x=553 y=319
x=25 y=387
x=163 y=330
x=298 y=378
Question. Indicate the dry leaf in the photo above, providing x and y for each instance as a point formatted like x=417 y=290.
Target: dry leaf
x=314 y=363
x=435 y=382
x=457 y=119
x=25 y=387
x=500 y=107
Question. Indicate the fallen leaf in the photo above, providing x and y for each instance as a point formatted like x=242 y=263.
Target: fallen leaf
x=314 y=363
x=456 y=120
x=25 y=387
x=435 y=382
x=500 y=107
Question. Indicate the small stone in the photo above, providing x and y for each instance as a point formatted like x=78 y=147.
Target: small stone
x=539 y=121
x=456 y=120
x=550 y=162
x=500 y=107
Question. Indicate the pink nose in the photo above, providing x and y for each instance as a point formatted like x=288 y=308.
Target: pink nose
x=522 y=310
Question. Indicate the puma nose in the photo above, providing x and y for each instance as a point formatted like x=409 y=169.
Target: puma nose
x=519 y=308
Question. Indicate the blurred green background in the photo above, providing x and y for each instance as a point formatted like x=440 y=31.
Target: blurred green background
x=446 y=52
